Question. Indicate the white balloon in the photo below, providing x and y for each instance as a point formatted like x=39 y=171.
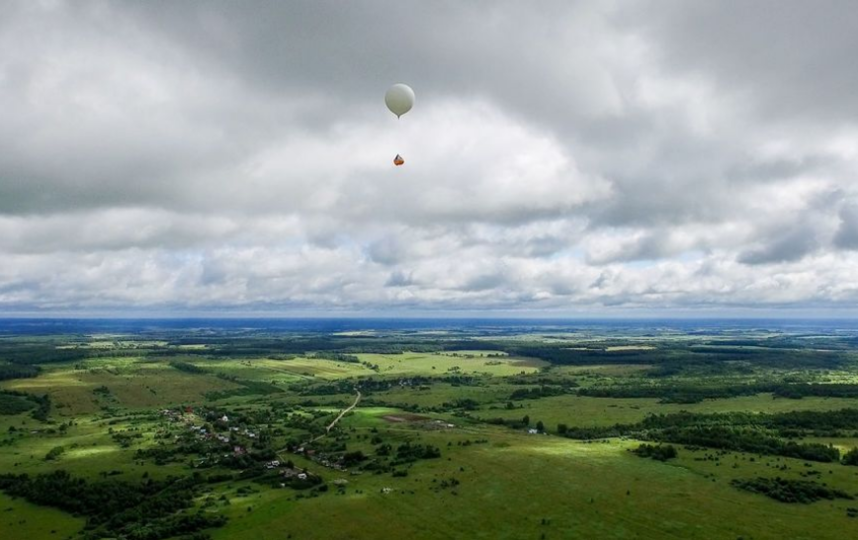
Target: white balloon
x=399 y=98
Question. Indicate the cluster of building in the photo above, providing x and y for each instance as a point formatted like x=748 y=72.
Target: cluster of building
x=322 y=459
x=187 y=416
x=293 y=473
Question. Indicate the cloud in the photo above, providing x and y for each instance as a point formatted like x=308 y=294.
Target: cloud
x=789 y=57
x=399 y=279
x=583 y=157
x=847 y=233
x=792 y=245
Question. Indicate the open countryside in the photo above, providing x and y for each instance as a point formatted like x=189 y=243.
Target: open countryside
x=410 y=270
x=430 y=430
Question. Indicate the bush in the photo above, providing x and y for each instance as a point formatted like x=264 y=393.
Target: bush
x=657 y=452
x=55 y=452
x=851 y=457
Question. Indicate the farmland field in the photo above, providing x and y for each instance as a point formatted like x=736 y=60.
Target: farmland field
x=482 y=433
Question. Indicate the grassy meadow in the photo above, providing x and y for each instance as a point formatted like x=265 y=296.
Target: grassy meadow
x=437 y=446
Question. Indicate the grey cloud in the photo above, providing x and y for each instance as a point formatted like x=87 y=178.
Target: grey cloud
x=387 y=251
x=797 y=234
x=544 y=246
x=791 y=56
x=779 y=168
x=398 y=278
x=847 y=233
x=582 y=154
x=484 y=282
x=455 y=48
x=793 y=245
x=651 y=246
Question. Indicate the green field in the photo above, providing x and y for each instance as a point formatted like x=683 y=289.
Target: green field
x=437 y=446
x=591 y=411
x=21 y=520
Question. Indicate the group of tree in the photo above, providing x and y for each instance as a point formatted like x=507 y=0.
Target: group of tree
x=33 y=353
x=658 y=452
x=248 y=387
x=125 y=438
x=851 y=457
x=408 y=452
x=150 y=510
x=16 y=371
x=790 y=491
x=842 y=422
x=676 y=357
x=747 y=440
x=745 y=432
x=55 y=453
x=675 y=393
x=465 y=404
x=338 y=357
x=369 y=385
x=187 y=367
x=538 y=392
x=227 y=344
x=14 y=402
x=670 y=392
x=562 y=354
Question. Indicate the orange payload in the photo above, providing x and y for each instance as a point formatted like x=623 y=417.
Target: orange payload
x=398 y=160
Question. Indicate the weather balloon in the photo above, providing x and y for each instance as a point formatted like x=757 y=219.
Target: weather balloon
x=399 y=98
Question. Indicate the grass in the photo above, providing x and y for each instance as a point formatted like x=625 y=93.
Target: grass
x=441 y=393
x=511 y=486
x=90 y=451
x=583 y=411
x=429 y=364
x=132 y=384
x=283 y=371
x=20 y=520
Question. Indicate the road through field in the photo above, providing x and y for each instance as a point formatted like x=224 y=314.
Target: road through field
x=337 y=419
x=343 y=413
x=332 y=424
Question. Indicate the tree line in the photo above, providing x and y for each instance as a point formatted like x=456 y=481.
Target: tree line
x=695 y=393
x=17 y=371
x=744 y=432
x=790 y=491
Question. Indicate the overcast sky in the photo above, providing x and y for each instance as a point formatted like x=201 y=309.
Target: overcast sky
x=575 y=158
